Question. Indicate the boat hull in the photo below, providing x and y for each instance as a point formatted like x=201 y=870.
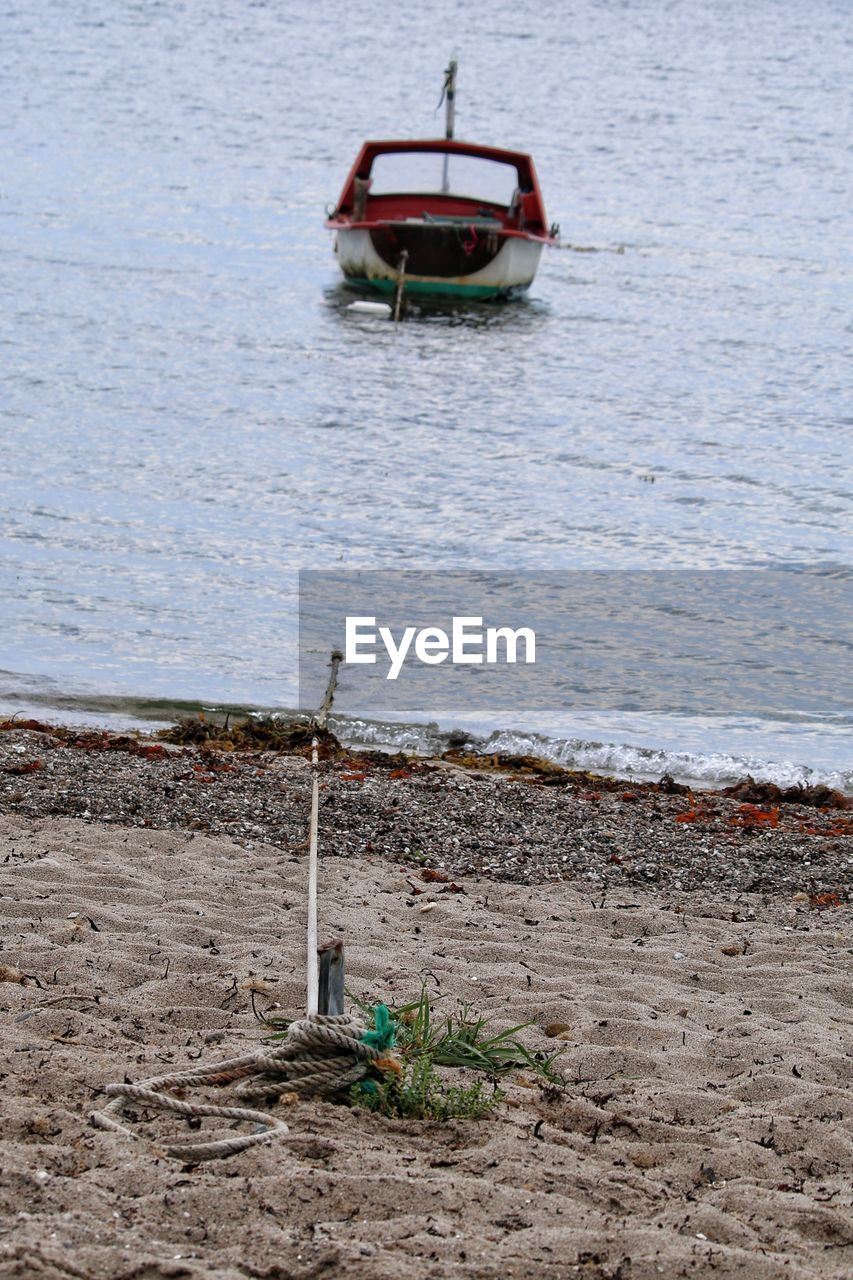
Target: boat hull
x=502 y=266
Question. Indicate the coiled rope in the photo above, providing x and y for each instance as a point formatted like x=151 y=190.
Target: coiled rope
x=320 y=1056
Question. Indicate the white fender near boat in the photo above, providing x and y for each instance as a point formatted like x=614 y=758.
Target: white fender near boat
x=363 y=307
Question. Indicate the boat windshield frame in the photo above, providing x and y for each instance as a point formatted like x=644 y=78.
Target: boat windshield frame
x=362 y=171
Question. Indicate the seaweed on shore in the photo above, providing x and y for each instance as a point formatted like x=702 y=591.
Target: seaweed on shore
x=534 y=767
x=266 y=733
x=547 y=773
x=817 y=797
x=12 y=725
x=263 y=733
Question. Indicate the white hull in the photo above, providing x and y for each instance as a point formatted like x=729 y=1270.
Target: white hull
x=512 y=268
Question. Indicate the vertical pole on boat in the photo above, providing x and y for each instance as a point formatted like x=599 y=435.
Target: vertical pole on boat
x=450 y=116
x=312 y=962
x=450 y=96
x=401 y=282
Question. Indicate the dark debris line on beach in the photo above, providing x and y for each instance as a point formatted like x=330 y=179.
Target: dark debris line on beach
x=519 y=820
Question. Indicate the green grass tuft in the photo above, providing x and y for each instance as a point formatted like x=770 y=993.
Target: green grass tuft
x=463 y=1040
x=420 y=1094
x=426 y=1042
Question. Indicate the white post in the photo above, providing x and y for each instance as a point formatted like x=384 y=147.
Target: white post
x=311 y=962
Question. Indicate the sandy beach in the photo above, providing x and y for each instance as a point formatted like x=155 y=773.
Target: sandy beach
x=695 y=950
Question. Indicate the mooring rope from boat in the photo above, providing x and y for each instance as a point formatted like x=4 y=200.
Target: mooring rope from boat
x=588 y=248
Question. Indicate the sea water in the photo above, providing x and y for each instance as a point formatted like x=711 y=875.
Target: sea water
x=190 y=414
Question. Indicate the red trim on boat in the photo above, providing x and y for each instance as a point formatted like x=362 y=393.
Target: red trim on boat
x=525 y=221
x=504 y=233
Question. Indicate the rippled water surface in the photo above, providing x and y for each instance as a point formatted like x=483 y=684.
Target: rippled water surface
x=189 y=414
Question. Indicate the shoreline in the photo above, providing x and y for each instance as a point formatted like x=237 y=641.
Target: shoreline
x=512 y=818
x=633 y=755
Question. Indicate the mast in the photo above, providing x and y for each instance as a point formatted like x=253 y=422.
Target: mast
x=450 y=117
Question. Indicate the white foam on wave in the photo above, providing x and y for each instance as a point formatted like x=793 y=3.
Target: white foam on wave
x=623 y=760
x=715 y=769
x=594 y=753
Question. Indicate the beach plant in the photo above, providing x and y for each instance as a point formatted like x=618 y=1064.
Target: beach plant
x=420 y=1093
x=464 y=1040
x=427 y=1042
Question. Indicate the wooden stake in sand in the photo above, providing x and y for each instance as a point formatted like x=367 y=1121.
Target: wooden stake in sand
x=312 y=961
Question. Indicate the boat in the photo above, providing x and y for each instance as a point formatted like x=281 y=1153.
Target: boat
x=441 y=217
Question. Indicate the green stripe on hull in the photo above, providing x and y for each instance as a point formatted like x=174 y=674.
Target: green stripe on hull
x=436 y=289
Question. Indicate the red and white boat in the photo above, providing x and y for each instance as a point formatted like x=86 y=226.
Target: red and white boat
x=441 y=217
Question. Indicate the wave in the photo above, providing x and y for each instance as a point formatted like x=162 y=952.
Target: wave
x=710 y=768
x=624 y=760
